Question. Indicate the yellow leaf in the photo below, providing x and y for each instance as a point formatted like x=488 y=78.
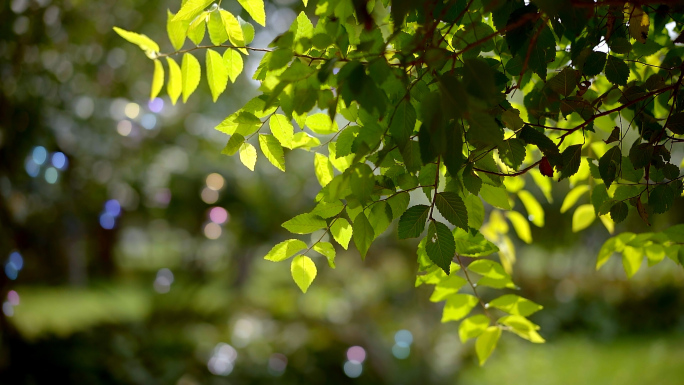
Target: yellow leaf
x=233 y=62
x=217 y=75
x=157 y=79
x=191 y=72
x=303 y=271
x=175 y=84
x=248 y=155
x=255 y=8
x=583 y=217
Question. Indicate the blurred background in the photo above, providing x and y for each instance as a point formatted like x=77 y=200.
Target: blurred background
x=131 y=249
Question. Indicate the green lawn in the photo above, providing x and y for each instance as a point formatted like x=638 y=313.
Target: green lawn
x=654 y=360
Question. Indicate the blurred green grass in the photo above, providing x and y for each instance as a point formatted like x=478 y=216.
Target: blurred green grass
x=579 y=360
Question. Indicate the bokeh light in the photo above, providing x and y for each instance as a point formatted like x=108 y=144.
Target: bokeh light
x=218 y=215
x=356 y=354
x=132 y=110
x=16 y=260
x=401 y=351
x=51 y=175
x=403 y=337
x=402 y=346
x=11 y=272
x=155 y=105
x=148 y=121
x=209 y=196
x=277 y=363
x=39 y=155
x=59 y=160
x=215 y=181
x=222 y=361
x=107 y=221
x=7 y=309
x=162 y=283
x=13 y=297
x=31 y=167
x=112 y=207
x=124 y=128
x=212 y=230
x=352 y=369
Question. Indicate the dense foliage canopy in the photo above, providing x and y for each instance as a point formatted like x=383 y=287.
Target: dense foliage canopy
x=408 y=106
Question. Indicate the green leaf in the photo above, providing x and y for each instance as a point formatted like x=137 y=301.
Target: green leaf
x=458 y=306
x=661 y=198
x=571 y=158
x=248 y=155
x=573 y=196
x=472 y=327
x=303 y=271
x=412 y=222
x=488 y=268
x=403 y=123
x=451 y=206
x=565 y=82
x=583 y=217
x=157 y=79
x=521 y=226
x=472 y=183
x=475 y=209
x=323 y=169
x=197 y=27
x=617 y=71
x=233 y=62
x=638 y=22
x=191 y=73
x=175 y=84
x=631 y=260
x=236 y=140
x=327 y=250
x=145 y=43
x=285 y=250
x=328 y=209
x=305 y=224
x=190 y=9
x=447 y=285
x=399 y=203
x=522 y=327
x=321 y=124
x=217 y=29
x=217 y=74
x=486 y=343
x=618 y=212
x=512 y=152
x=177 y=30
x=484 y=130
x=440 y=246
x=363 y=234
x=233 y=28
x=282 y=129
x=516 y=305
x=676 y=123
x=495 y=196
x=272 y=150
x=675 y=233
x=535 y=212
x=472 y=243
x=362 y=182
x=609 y=164
x=595 y=63
x=599 y=196
x=255 y=8
x=380 y=217
x=341 y=231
